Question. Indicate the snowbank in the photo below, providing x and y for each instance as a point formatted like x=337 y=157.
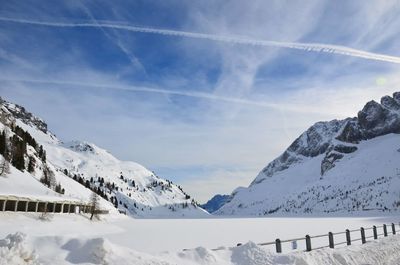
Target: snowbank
x=14 y=250
x=74 y=239
x=17 y=249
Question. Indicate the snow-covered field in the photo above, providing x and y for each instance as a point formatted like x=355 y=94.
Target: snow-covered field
x=73 y=239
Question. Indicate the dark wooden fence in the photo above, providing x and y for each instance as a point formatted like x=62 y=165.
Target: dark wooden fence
x=332 y=240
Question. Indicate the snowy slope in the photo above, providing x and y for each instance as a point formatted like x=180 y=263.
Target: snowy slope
x=138 y=191
x=22 y=184
x=340 y=166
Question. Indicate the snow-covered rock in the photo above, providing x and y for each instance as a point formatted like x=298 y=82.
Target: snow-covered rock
x=337 y=166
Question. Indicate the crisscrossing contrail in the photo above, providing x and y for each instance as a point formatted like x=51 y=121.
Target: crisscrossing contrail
x=310 y=47
x=201 y=95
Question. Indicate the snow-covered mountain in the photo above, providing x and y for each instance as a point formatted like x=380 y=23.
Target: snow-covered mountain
x=215 y=203
x=80 y=167
x=339 y=166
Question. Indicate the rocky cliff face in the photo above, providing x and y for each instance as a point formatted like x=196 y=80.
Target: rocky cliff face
x=338 y=137
x=326 y=145
x=19 y=112
x=374 y=120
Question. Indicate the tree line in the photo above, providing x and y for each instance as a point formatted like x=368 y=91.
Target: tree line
x=14 y=150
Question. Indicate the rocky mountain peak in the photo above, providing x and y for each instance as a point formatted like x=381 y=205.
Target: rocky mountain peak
x=374 y=120
x=19 y=112
x=371 y=115
x=391 y=102
x=82 y=147
x=337 y=138
x=396 y=96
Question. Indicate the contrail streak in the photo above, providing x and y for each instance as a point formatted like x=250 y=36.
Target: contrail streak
x=200 y=95
x=310 y=47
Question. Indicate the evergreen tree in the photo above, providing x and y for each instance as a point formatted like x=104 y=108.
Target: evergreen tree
x=94 y=205
x=41 y=151
x=3 y=143
x=31 y=164
x=18 y=153
x=42 y=154
x=59 y=189
x=45 y=178
x=48 y=178
x=4 y=167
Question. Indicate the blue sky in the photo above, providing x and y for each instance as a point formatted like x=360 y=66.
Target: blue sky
x=208 y=114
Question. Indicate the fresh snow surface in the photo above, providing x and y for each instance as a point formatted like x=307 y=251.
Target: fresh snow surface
x=367 y=180
x=23 y=185
x=73 y=239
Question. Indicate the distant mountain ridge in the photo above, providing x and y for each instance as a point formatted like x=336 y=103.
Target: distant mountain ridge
x=79 y=167
x=215 y=203
x=319 y=157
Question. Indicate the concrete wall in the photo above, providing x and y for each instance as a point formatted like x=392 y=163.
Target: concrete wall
x=24 y=205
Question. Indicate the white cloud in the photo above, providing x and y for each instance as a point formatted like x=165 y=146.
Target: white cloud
x=238 y=125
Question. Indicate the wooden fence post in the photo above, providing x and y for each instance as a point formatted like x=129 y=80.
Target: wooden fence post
x=348 y=238
x=308 y=243
x=384 y=230
x=278 y=245
x=363 y=235
x=331 y=241
x=393 y=229
x=375 y=232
